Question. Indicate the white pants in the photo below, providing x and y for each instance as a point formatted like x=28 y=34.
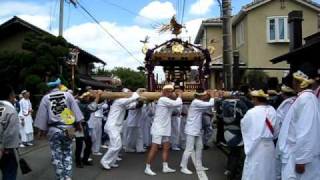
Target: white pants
x=26 y=131
x=25 y=138
x=96 y=134
x=193 y=142
x=124 y=132
x=175 y=132
x=115 y=145
x=147 y=131
x=135 y=138
x=312 y=170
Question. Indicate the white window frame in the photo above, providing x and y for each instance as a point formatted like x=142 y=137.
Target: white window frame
x=240 y=39
x=277 y=34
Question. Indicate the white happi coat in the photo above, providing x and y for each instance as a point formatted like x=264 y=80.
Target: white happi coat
x=284 y=108
x=194 y=120
x=281 y=113
x=95 y=124
x=134 y=118
x=258 y=143
x=114 y=125
x=193 y=131
x=25 y=108
x=162 y=119
x=97 y=114
x=299 y=138
x=117 y=112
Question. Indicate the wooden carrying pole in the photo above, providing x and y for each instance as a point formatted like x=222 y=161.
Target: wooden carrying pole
x=150 y=96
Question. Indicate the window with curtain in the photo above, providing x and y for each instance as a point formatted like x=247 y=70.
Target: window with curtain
x=240 y=34
x=277 y=29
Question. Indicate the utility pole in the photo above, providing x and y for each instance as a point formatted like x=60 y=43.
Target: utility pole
x=227 y=44
x=61 y=18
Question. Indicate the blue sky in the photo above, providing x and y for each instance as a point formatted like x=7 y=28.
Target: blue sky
x=107 y=10
x=110 y=10
x=128 y=20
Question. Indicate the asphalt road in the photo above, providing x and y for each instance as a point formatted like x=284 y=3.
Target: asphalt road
x=131 y=167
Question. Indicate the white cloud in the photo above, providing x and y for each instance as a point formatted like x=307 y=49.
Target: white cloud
x=93 y=39
x=158 y=10
x=192 y=28
x=40 y=21
x=201 y=7
x=35 y=14
x=9 y=8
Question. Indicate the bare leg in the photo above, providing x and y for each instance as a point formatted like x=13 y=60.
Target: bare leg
x=165 y=151
x=165 y=157
x=152 y=153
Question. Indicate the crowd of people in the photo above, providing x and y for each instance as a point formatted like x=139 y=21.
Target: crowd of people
x=264 y=138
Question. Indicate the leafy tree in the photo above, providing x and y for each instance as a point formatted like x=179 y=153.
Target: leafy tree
x=130 y=78
x=141 y=69
x=42 y=59
x=103 y=72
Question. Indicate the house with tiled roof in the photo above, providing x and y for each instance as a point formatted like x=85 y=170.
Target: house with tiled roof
x=14 y=31
x=260 y=32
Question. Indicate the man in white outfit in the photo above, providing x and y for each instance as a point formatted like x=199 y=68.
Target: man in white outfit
x=259 y=128
x=202 y=102
x=26 y=130
x=148 y=111
x=175 y=129
x=289 y=96
x=113 y=127
x=134 y=135
x=184 y=114
x=95 y=122
x=299 y=136
x=161 y=128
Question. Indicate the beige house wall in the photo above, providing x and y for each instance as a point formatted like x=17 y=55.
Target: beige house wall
x=243 y=49
x=259 y=50
x=213 y=33
x=256 y=52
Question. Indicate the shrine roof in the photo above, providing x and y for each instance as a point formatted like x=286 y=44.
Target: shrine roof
x=166 y=52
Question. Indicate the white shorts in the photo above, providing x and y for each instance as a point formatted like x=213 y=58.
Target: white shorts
x=160 y=139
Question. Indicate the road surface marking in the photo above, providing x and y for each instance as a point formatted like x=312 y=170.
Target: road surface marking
x=201 y=174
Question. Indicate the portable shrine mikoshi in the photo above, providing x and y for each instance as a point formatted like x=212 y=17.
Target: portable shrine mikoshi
x=177 y=57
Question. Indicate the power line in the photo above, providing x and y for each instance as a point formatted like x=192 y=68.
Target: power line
x=50 y=20
x=53 y=9
x=105 y=30
x=69 y=15
x=183 y=7
x=131 y=12
x=178 y=8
